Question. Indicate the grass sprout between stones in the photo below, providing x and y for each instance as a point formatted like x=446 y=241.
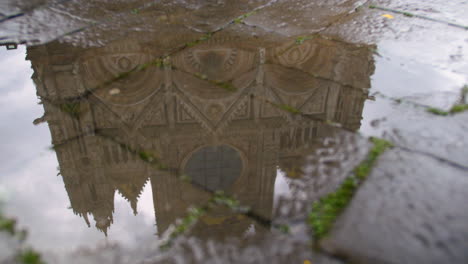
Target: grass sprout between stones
x=327 y=209
x=456 y=108
x=194 y=214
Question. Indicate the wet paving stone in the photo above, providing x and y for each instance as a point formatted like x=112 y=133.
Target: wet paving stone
x=416 y=129
x=409 y=210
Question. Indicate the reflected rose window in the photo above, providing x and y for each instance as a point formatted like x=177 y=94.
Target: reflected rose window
x=214 y=167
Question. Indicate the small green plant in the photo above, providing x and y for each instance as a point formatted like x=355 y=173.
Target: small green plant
x=458 y=108
x=71 y=108
x=192 y=217
x=364 y=168
x=327 y=209
x=29 y=256
x=408 y=14
x=289 y=109
x=158 y=63
x=437 y=111
x=225 y=85
x=205 y=37
x=220 y=198
x=194 y=214
x=285 y=229
x=240 y=19
x=301 y=39
x=123 y=75
x=8 y=225
x=147 y=156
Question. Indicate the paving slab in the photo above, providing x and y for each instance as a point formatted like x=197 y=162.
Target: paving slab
x=411 y=209
x=413 y=127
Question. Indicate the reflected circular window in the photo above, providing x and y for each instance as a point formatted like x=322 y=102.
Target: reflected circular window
x=214 y=167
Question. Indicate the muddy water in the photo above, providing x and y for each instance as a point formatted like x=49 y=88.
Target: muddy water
x=189 y=127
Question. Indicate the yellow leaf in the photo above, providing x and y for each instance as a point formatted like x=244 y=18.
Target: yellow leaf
x=388 y=16
x=307 y=262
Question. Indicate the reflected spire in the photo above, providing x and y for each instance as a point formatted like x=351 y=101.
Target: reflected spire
x=85 y=216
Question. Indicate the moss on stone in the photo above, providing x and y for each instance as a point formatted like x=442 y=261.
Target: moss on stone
x=437 y=111
x=327 y=209
x=72 y=109
x=240 y=19
x=29 y=256
x=288 y=108
x=301 y=39
x=459 y=108
x=219 y=198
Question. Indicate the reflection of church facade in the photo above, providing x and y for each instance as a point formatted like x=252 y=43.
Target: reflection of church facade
x=231 y=137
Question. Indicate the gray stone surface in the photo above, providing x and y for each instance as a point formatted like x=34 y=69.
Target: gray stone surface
x=411 y=209
x=414 y=128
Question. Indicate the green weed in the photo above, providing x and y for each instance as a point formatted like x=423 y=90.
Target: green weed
x=30 y=256
x=327 y=209
x=458 y=108
x=289 y=109
x=71 y=108
x=301 y=39
x=437 y=111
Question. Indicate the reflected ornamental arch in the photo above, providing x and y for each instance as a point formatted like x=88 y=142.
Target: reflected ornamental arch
x=214 y=167
x=112 y=64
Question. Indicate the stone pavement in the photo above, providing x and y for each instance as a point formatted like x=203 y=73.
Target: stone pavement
x=413 y=206
x=411 y=209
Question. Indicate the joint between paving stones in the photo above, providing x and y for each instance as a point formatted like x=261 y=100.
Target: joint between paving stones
x=326 y=210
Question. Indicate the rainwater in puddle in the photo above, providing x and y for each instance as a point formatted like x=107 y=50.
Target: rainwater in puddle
x=182 y=132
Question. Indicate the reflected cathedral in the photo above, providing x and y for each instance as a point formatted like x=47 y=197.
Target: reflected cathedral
x=218 y=112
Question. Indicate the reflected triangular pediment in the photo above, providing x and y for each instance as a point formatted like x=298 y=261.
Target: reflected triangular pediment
x=210 y=104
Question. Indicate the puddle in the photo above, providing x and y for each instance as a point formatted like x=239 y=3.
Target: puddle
x=158 y=133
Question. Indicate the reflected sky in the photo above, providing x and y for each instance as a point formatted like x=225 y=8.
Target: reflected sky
x=31 y=189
